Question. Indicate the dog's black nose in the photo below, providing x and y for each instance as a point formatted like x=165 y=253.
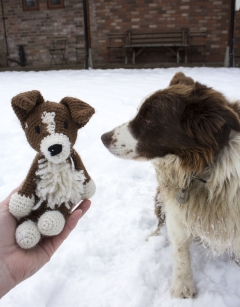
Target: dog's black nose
x=107 y=138
x=55 y=149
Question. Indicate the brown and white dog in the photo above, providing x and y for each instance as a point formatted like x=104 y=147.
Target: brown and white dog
x=190 y=133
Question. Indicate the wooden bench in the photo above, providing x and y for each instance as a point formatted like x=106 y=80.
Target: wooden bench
x=174 y=41
x=115 y=46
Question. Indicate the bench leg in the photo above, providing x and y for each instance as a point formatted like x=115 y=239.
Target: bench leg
x=178 y=55
x=185 y=54
x=126 y=56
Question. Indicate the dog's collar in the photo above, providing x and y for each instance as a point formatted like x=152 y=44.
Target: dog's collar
x=182 y=194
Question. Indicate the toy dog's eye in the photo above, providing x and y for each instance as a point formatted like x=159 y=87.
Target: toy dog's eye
x=37 y=129
x=65 y=125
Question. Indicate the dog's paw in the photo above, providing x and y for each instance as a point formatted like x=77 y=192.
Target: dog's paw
x=183 y=288
x=27 y=235
x=51 y=223
x=20 y=205
x=89 y=189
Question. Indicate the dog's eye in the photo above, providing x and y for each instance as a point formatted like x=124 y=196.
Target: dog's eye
x=65 y=125
x=37 y=129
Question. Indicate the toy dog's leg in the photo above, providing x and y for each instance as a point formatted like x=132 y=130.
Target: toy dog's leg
x=51 y=223
x=22 y=202
x=89 y=185
x=27 y=235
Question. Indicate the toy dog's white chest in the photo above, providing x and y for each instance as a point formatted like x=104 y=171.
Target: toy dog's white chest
x=58 y=183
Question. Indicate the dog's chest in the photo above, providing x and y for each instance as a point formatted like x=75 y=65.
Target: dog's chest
x=58 y=183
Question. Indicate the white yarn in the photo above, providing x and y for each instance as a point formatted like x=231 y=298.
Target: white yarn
x=27 y=235
x=48 y=118
x=51 y=223
x=20 y=206
x=58 y=183
x=52 y=139
x=89 y=189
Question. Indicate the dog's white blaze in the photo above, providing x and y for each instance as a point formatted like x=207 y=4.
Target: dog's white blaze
x=48 y=118
x=124 y=144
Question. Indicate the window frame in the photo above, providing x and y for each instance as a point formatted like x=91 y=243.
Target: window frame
x=55 y=7
x=30 y=8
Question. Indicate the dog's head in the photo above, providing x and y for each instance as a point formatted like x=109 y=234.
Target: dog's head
x=51 y=128
x=186 y=119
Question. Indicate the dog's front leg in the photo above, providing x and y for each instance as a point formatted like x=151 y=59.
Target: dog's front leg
x=182 y=283
x=22 y=202
x=89 y=186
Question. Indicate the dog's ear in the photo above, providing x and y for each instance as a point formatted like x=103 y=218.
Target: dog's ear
x=24 y=103
x=180 y=78
x=81 y=112
x=208 y=116
x=206 y=107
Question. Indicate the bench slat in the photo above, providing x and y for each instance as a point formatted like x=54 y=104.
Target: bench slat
x=156 y=40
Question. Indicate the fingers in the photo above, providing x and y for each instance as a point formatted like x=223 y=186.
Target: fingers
x=52 y=244
x=74 y=218
x=84 y=206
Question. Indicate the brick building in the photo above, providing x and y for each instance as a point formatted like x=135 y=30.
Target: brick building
x=33 y=24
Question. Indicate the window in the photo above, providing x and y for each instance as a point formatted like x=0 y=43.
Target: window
x=55 y=4
x=30 y=5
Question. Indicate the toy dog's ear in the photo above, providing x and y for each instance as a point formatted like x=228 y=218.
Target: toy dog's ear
x=24 y=103
x=81 y=112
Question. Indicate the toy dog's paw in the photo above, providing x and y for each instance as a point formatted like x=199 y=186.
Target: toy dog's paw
x=51 y=223
x=89 y=189
x=21 y=205
x=27 y=235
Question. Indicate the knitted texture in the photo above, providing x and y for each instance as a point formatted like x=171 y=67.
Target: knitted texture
x=89 y=189
x=20 y=205
x=27 y=235
x=56 y=138
x=58 y=183
x=81 y=113
x=57 y=179
x=51 y=223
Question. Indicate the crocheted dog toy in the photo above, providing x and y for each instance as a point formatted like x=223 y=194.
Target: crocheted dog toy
x=57 y=179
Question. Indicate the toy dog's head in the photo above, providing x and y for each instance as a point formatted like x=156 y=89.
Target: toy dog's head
x=51 y=128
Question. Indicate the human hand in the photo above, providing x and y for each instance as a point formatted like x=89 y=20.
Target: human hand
x=17 y=264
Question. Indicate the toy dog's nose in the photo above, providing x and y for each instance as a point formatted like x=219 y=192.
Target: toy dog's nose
x=107 y=138
x=55 y=149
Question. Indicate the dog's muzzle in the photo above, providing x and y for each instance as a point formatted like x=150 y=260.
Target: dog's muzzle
x=107 y=138
x=55 y=149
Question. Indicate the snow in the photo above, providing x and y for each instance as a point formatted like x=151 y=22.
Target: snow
x=107 y=260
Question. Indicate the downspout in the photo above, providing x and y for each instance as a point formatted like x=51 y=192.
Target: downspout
x=231 y=52
x=85 y=15
x=4 y=30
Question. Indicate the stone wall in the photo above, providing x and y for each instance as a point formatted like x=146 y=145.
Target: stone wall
x=35 y=29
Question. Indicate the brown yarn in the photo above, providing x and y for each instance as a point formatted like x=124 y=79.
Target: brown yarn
x=37 y=118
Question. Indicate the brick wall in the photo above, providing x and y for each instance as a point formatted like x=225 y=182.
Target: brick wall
x=35 y=29
x=141 y=15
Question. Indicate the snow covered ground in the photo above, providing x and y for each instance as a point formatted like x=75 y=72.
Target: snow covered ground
x=107 y=262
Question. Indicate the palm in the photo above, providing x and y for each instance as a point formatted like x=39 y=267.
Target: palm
x=20 y=264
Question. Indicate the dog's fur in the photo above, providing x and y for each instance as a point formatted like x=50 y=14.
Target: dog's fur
x=190 y=132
